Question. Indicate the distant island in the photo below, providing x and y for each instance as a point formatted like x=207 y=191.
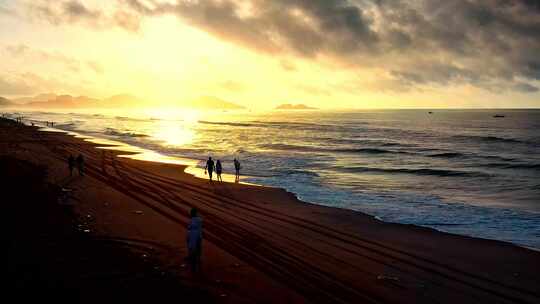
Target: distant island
x=288 y=106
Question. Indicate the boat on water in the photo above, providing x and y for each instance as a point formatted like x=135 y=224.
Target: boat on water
x=498 y=116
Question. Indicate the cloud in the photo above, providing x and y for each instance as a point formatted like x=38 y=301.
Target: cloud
x=28 y=54
x=314 y=90
x=6 y=11
x=489 y=44
x=75 y=9
x=288 y=65
x=29 y=83
x=76 y=12
x=95 y=66
x=17 y=50
x=300 y=26
x=232 y=86
x=525 y=88
x=423 y=43
x=14 y=86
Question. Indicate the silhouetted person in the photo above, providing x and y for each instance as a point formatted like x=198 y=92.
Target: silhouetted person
x=219 y=169
x=209 y=167
x=237 y=170
x=194 y=241
x=71 y=164
x=80 y=164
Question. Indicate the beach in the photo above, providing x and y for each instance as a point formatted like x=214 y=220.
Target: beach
x=262 y=244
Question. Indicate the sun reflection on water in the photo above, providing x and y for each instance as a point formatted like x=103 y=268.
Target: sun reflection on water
x=175 y=127
x=174 y=133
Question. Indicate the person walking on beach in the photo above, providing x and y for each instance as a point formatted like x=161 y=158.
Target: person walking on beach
x=71 y=164
x=219 y=169
x=194 y=241
x=209 y=167
x=237 y=170
x=80 y=164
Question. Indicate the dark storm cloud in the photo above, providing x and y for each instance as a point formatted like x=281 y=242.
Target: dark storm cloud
x=484 y=43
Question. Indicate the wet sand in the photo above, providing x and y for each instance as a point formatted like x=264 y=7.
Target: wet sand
x=263 y=245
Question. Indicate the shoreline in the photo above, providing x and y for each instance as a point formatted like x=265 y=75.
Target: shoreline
x=286 y=249
x=142 y=154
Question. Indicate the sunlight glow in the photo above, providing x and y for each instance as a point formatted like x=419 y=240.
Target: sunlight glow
x=173 y=133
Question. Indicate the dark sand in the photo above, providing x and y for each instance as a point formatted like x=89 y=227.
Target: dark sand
x=261 y=244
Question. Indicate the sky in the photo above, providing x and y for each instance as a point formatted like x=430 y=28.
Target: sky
x=261 y=53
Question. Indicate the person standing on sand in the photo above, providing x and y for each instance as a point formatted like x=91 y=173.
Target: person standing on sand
x=237 y=170
x=71 y=164
x=80 y=164
x=219 y=169
x=194 y=241
x=209 y=167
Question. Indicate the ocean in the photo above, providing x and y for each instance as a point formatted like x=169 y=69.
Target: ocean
x=460 y=171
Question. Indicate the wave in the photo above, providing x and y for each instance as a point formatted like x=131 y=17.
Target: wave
x=499 y=157
x=232 y=124
x=421 y=171
x=470 y=155
x=288 y=147
x=361 y=140
x=286 y=125
x=71 y=126
x=124 y=118
x=369 y=151
x=490 y=139
x=300 y=172
x=441 y=224
x=513 y=166
x=390 y=144
x=113 y=132
x=447 y=155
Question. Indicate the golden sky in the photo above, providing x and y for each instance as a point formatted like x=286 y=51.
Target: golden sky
x=324 y=53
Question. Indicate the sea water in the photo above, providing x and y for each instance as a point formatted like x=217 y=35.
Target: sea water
x=459 y=171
